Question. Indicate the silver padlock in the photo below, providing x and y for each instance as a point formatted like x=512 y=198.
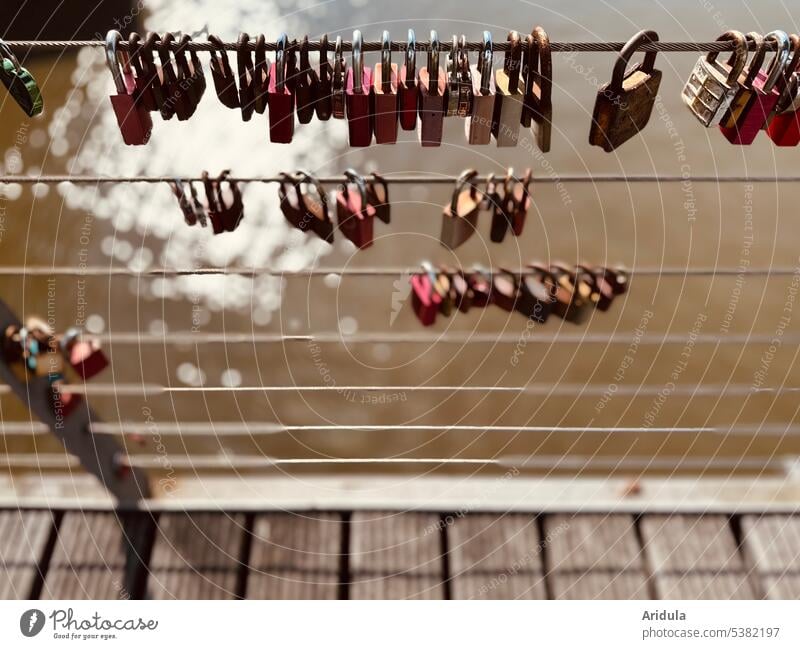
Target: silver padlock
x=712 y=85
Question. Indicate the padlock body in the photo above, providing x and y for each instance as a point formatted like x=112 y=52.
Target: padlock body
x=408 y=99
x=281 y=110
x=87 y=359
x=359 y=108
x=432 y=105
x=707 y=92
x=355 y=220
x=540 y=112
x=784 y=129
x=458 y=227
x=755 y=115
x=424 y=299
x=386 y=103
x=305 y=101
x=507 y=111
x=478 y=126
x=134 y=120
x=618 y=116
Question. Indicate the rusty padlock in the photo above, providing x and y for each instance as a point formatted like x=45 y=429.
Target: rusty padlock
x=764 y=95
x=281 y=96
x=407 y=88
x=85 y=356
x=538 y=111
x=378 y=197
x=177 y=88
x=338 y=82
x=495 y=202
x=460 y=216
x=133 y=117
x=509 y=98
x=306 y=89
x=358 y=97
x=354 y=214
x=247 y=77
x=384 y=89
x=519 y=201
x=479 y=125
x=144 y=86
x=221 y=73
x=624 y=105
x=432 y=83
x=324 y=106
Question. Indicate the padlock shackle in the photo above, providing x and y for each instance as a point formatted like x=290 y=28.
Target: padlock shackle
x=544 y=59
x=6 y=53
x=386 y=62
x=339 y=65
x=779 y=61
x=757 y=60
x=164 y=48
x=358 y=62
x=354 y=178
x=411 y=58
x=738 y=57
x=463 y=57
x=112 y=60
x=467 y=177
x=306 y=178
x=485 y=63
x=512 y=63
x=324 y=63
x=629 y=49
x=261 y=58
x=452 y=61
x=281 y=62
x=433 y=63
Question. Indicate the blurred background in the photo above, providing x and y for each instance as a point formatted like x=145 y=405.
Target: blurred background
x=686 y=226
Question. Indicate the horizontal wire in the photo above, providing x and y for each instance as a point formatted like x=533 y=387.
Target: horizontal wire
x=236 y=338
x=406 y=180
x=544 y=389
x=421 y=46
x=542 y=462
x=375 y=271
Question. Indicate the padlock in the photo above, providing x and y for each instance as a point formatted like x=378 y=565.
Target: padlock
x=261 y=76
x=221 y=73
x=247 y=77
x=465 y=91
x=144 y=86
x=765 y=94
x=198 y=207
x=494 y=202
x=291 y=203
x=572 y=293
x=133 y=118
x=479 y=125
x=359 y=97
x=424 y=300
x=538 y=109
x=480 y=282
x=384 y=89
x=462 y=292
x=19 y=82
x=315 y=206
x=505 y=290
x=617 y=279
x=440 y=282
x=745 y=93
x=191 y=76
x=451 y=109
x=536 y=299
x=281 y=97
x=407 y=88
x=784 y=129
x=509 y=98
x=460 y=217
x=324 y=105
x=85 y=356
x=378 y=197
x=183 y=201
x=712 y=85
x=784 y=82
x=624 y=105
x=151 y=72
x=338 y=81
x=519 y=201
x=354 y=214
x=231 y=211
x=432 y=83
x=176 y=87
x=306 y=89
x=213 y=208
x=602 y=292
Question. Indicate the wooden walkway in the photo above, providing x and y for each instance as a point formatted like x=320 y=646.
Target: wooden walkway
x=367 y=555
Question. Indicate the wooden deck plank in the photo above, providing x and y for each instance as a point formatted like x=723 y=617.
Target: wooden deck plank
x=494 y=543
x=295 y=556
x=23 y=538
x=397 y=586
x=686 y=543
x=786 y=586
x=592 y=542
x=196 y=556
x=599 y=584
x=705 y=585
x=391 y=542
x=499 y=585
x=773 y=542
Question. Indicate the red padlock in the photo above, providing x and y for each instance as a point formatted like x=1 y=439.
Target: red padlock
x=384 y=81
x=281 y=97
x=133 y=117
x=432 y=83
x=784 y=129
x=85 y=356
x=424 y=299
x=765 y=95
x=353 y=212
x=358 y=90
x=407 y=89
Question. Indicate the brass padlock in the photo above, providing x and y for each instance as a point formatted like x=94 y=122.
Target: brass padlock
x=509 y=99
x=460 y=217
x=712 y=85
x=624 y=105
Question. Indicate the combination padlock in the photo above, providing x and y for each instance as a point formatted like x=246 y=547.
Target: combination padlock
x=359 y=97
x=432 y=83
x=354 y=214
x=407 y=88
x=712 y=85
x=222 y=75
x=460 y=216
x=384 y=80
x=19 y=82
x=306 y=89
x=509 y=99
x=479 y=125
x=247 y=77
x=133 y=118
x=624 y=105
x=281 y=96
x=538 y=110
x=764 y=95
x=338 y=81
x=323 y=106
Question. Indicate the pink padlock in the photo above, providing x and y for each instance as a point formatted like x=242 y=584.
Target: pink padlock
x=407 y=88
x=424 y=299
x=85 y=356
x=133 y=118
x=358 y=97
x=355 y=215
x=384 y=81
